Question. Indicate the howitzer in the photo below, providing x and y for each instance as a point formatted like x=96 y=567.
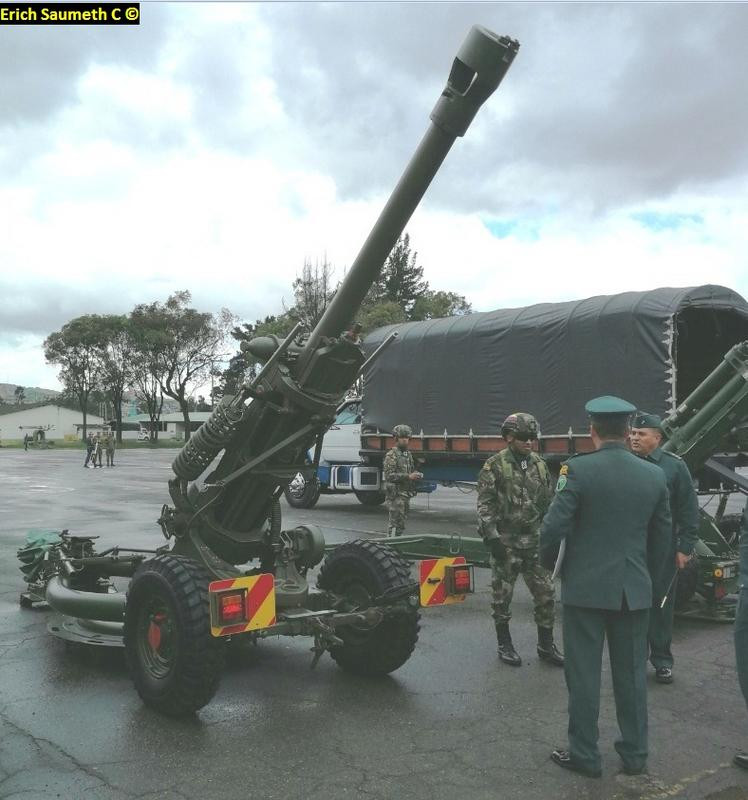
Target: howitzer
x=229 y=568
x=706 y=422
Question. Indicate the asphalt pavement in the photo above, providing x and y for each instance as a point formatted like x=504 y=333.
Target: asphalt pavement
x=451 y=723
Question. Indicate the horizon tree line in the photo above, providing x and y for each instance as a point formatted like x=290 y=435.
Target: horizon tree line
x=170 y=349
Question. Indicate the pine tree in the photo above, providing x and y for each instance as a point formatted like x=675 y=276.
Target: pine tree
x=402 y=280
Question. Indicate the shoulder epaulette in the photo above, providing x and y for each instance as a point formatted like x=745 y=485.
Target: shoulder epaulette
x=672 y=455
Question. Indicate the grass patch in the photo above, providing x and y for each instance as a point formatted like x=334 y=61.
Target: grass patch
x=17 y=444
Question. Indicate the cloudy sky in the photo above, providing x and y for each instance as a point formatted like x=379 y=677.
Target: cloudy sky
x=216 y=146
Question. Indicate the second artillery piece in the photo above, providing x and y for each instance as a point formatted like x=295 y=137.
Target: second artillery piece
x=229 y=569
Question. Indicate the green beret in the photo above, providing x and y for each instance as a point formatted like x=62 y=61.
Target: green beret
x=608 y=405
x=644 y=420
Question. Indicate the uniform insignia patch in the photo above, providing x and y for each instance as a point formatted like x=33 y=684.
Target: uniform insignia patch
x=561 y=482
x=523 y=464
x=564 y=469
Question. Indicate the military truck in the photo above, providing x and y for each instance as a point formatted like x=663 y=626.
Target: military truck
x=455 y=380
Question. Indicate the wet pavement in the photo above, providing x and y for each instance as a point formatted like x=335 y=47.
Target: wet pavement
x=450 y=723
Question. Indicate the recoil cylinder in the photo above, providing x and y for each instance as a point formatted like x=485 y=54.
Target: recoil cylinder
x=207 y=441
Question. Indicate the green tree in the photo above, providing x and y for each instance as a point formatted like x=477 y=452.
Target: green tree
x=435 y=305
x=146 y=375
x=380 y=314
x=313 y=291
x=401 y=280
x=115 y=361
x=76 y=349
x=19 y=395
x=185 y=344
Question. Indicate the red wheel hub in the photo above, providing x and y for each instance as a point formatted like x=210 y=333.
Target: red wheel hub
x=154 y=631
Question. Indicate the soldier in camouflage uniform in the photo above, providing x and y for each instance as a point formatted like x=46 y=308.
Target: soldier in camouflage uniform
x=399 y=480
x=514 y=492
x=109 y=448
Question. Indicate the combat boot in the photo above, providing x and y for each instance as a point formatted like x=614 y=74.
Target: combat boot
x=547 y=650
x=507 y=653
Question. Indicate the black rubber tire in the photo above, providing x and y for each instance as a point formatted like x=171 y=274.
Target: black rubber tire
x=370 y=568
x=688 y=581
x=729 y=527
x=307 y=497
x=191 y=675
x=370 y=498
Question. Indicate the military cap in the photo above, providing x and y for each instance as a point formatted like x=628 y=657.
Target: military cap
x=644 y=420
x=402 y=431
x=607 y=406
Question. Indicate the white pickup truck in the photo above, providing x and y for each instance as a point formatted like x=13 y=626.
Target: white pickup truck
x=341 y=470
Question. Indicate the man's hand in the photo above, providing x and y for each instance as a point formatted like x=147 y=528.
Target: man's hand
x=498 y=551
x=681 y=559
x=415 y=476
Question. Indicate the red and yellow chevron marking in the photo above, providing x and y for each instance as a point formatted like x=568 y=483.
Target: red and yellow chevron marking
x=433 y=583
x=259 y=603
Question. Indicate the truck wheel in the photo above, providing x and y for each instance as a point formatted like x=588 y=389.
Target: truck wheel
x=370 y=498
x=358 y=571
x=174 y=660
x=303 y=493
x=688 y=581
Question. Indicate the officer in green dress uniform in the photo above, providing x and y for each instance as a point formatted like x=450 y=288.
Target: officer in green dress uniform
x=741 y=625
x=612 y=513
x=646 y=437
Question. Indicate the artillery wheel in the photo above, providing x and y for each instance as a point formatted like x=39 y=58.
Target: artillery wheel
x=370 y=498
x=359 y=571
x=174 y=660
x=688 y=580
x=303 y=493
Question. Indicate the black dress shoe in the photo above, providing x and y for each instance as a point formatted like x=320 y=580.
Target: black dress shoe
x=741 y=760
x=563 y=759
x=664 y=675
x=634 y=770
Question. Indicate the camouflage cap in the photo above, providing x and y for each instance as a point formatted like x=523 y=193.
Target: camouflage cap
x=521 y=423
x=642 y=419
x=402 y=431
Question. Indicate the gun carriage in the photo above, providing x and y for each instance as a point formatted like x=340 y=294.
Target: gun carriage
x=228 y=568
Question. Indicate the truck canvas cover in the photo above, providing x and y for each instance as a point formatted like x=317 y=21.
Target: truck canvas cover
x=466 y=374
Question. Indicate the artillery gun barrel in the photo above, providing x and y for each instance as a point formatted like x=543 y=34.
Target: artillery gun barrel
x=732 y=362
x=718 y=404
x=480 y=65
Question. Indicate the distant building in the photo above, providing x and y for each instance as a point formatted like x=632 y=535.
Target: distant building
x=60 y=423
x=171 y=426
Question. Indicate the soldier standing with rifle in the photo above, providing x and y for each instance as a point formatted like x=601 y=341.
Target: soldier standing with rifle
x=90 y=447
x=611 y=512
x=646 y=438
x=514 y=492
x=400 y=477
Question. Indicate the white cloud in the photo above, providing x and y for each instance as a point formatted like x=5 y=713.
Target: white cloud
x=249 y=138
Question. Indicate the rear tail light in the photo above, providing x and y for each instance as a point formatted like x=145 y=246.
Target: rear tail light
x=232 y=606
x=459 y=578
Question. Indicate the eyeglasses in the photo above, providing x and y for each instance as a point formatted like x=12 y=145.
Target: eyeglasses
x=525 y=437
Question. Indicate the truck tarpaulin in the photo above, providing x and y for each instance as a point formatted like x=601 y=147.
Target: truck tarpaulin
x=466 y=374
